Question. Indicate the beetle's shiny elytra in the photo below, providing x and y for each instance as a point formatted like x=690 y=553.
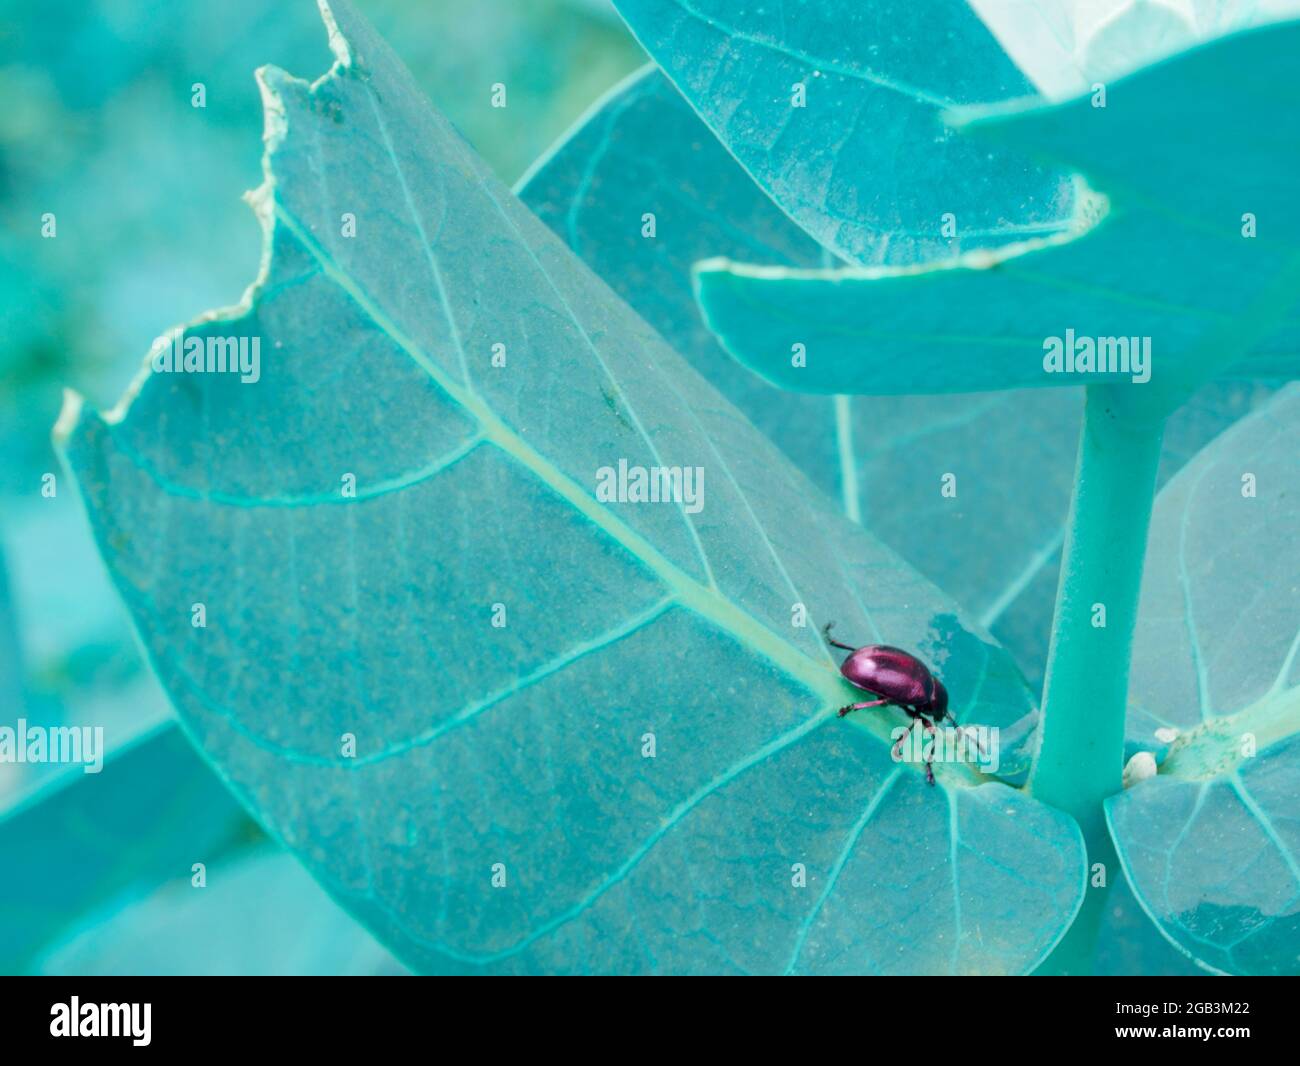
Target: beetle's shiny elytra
x=898 y=678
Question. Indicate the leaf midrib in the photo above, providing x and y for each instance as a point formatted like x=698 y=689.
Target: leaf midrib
x=690 y=593
x=1213 y=748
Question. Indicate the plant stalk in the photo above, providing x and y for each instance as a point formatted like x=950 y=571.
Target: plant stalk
x=1080 y=757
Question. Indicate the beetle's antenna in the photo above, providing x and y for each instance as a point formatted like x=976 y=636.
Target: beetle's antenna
x=968 y=731
x=826 y=631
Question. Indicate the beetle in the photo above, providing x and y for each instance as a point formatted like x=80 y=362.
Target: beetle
x=899 y=679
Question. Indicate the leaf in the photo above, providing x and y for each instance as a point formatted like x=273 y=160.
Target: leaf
x=1129 y=944
x=1211 y=844
x=864 y=165
x=519 y=748
x=83 y=841
x=1066 y=46
x=995 y=546
x=261 y=914
x=1158 y=257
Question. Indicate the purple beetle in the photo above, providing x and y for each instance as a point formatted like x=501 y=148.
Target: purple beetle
x=900 y=679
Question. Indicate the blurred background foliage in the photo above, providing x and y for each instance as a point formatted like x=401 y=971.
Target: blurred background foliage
x=97 y=127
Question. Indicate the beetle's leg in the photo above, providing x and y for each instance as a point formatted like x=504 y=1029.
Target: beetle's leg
x=861 y=706
x=826 y=632
x=898 y=747
x=929 y=760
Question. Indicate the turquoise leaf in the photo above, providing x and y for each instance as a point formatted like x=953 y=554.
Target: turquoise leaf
x=1151 y=254
x=259 y=915
x=995 y=546
x=1067 y=46
x=502 y=811
x=1211 y=845
x=834 y=109
x=83 y=842
x=1130 y=944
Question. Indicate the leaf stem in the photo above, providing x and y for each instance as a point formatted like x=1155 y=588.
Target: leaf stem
x=1080 y=758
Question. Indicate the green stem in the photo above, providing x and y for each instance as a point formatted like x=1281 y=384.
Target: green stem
x=1080 y=758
